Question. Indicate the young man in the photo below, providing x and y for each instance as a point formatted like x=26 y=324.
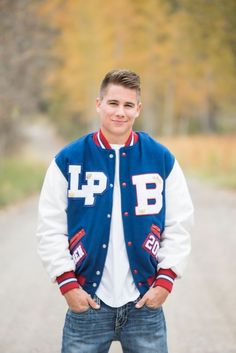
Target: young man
x=114 y=218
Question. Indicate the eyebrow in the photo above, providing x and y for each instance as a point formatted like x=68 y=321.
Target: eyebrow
x=116 y=101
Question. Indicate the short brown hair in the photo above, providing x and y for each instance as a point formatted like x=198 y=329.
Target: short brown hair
x=122 y=77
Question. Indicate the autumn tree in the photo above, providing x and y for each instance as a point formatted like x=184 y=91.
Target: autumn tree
x=24 y=55
x=183 y=50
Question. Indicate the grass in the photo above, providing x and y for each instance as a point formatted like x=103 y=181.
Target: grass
x=18 y=179
x=211 y=157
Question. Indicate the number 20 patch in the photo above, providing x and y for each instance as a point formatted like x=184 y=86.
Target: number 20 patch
x=152 y=244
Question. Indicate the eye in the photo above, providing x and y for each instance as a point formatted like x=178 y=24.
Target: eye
x=113 y=103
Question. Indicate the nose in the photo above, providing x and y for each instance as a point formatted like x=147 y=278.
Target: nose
x=120 y=111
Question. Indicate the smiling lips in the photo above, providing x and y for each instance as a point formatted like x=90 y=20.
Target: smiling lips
x=119 y=121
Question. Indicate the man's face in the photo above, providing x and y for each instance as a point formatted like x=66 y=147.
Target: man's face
x=118 y=110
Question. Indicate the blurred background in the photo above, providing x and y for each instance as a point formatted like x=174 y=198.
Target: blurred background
x=53 y=56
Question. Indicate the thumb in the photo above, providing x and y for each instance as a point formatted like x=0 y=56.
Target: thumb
x=92 y=303
x=140 y=303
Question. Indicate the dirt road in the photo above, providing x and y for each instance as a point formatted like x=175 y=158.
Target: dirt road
x=200 y=312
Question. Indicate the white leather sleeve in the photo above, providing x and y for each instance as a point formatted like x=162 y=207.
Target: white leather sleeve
x=175 y=242
x=52 y=224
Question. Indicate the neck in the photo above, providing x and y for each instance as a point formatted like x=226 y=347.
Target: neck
x=117 y=139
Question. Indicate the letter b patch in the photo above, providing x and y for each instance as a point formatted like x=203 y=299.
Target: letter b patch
x=149 y=189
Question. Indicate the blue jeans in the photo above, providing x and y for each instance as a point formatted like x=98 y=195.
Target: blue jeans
x=138 y=330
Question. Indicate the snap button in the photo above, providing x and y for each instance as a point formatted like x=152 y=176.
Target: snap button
x=123 y=154
x=130 y=243
x=124 y=184
x=140 y=284
x=98 y=273
x=108 y=215
x=111 y=155
x=94 y=284
x=135 y=271
x=111 y=185
x=126 y=214
x=104 y=246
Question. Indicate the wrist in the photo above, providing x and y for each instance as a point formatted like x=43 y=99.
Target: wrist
x=165 y=279
x=67 y=281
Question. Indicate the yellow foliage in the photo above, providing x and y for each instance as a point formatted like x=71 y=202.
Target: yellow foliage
x=211 y=156
x=181 y=54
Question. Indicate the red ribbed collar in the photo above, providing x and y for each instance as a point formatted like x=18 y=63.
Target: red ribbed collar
x=101 y=140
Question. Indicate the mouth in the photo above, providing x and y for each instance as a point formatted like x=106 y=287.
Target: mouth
x=119 y=121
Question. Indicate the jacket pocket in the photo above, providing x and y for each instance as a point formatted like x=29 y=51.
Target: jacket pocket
x=76 y=247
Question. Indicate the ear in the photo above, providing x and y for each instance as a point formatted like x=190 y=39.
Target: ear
x=139 y=107
x=98 y=103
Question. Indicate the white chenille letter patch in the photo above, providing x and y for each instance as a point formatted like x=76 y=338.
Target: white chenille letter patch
x=149 y=189
x=96 y=184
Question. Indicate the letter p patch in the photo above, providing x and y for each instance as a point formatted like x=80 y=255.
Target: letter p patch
x=96 y=184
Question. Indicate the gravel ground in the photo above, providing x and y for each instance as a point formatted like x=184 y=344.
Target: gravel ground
x=200 y=312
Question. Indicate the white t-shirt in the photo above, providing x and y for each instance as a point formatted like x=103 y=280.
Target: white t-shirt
x=117 y=286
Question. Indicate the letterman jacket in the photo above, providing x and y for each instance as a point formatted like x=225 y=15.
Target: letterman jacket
x=75 y=210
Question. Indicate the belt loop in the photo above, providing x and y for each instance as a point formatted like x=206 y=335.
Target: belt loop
x=136 y=300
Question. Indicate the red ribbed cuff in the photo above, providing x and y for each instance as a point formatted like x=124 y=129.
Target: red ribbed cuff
x=67 y=281
x=165 y=278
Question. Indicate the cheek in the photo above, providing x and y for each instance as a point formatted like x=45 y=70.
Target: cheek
x=108 y=112
x=131 y=117
x=104 y=114
x=131 y=114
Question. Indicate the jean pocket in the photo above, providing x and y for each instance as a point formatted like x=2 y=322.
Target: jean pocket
x=76 y=320
x=152 y=309
x=73 y=312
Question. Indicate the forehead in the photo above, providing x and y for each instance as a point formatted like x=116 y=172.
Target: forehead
x=120 y=93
